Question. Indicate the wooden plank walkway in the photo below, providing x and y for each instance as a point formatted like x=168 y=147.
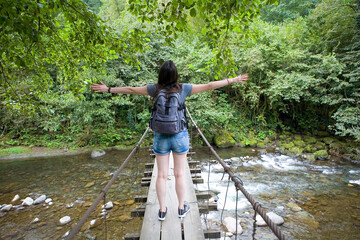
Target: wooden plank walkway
x=172 y=228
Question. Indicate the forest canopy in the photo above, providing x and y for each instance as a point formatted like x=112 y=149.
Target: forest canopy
x=302 y=56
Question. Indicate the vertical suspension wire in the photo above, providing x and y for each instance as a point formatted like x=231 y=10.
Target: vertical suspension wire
x=105 y=232
x=137 y=185
x=208 y=190
x=222 y=211
x=236 y=215
x=254 y=226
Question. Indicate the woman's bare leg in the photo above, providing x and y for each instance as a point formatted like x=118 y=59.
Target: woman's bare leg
x=163 y=170
x=180 y=186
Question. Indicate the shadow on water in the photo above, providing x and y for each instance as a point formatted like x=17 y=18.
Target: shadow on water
x=315 y=199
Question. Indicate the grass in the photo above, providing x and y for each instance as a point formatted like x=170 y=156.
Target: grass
x=14 y=151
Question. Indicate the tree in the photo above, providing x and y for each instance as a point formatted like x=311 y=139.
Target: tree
x=288 y=10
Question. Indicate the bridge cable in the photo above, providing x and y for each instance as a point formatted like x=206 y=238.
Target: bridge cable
x=86 y=215
x=239 y=186
x=222 y=211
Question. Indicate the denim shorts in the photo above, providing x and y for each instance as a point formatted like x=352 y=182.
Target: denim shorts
x=164 y=143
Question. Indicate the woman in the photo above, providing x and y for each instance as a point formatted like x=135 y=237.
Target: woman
x=164 y=143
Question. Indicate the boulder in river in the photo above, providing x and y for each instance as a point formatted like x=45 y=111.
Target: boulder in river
x=97 y=153
x=28 y=201
x=17 y=197
x=230 y=225
x=294 y=207
x=108 y=205
x=276 y=219
x=40 y=199
x=224 y=140
x=6 y=208
x=321 y=155
x=65 y=220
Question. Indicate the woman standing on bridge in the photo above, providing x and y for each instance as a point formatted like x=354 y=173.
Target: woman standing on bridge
x=163 y=143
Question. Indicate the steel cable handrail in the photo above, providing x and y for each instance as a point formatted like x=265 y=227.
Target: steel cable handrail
x=239 y=186
x=86 y=215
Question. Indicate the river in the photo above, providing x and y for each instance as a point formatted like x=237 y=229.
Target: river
x=317 y=200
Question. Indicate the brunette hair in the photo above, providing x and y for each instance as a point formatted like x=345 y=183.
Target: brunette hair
x=168 y=78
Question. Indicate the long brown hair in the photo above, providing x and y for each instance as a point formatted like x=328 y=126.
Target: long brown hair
x=168 y=78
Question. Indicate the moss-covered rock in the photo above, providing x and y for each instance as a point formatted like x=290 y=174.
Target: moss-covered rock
x=224 y=139
x=310 y=139
x=299 y=143
x=328 y=140
x=321 y=155
x=296 y=151
x=309 y=157
x=297 y=137
x=261 y=145
x=288 y=145
x=249 y=142
x=320 y=146
x=285 y=135
x=310 y=149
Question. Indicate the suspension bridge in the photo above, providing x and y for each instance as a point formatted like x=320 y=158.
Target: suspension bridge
x=175 y=228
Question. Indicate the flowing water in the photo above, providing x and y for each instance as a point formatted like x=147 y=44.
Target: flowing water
x=315 y=199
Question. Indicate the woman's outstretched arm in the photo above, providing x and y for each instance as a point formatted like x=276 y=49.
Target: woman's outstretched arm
x=198 y=88
x=124 y=90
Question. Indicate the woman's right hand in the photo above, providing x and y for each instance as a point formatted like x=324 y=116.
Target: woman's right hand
x=99 y=87
x=240 y=78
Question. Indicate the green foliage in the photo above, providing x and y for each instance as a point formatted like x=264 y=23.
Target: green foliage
x=287 y=10
x=304 y=71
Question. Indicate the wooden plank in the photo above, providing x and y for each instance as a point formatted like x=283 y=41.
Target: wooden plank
x=148 y=174
x=138 y=211
x=192 y=222
x=140 y=198
x=212 y=233
x=191 y=163
x=132 y=236
x=149 y=165
x=145 y=184
x=195 y=170
x=151 y=225
x=203 y=195
x=146 y=179
x=171 y=227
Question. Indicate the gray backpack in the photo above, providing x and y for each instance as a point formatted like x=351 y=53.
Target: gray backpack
x=168 y=113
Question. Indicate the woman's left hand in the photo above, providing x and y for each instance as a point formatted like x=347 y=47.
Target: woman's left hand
x=240 y=78
x=99 y=87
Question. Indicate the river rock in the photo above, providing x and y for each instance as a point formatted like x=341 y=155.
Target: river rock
x=97 y=153
x=217 y=168
x=235 y=159
x=28 y=201
x=48 y=200
x=108 y=205
x=6 y=208
x=276 y=219
x=321 y=155
x=230 y=225
x=90 y=184
x=66 y=234
x=35 y=220
x=40 y=199
x=17 y=197
x=65 y=220
x=224 y=139
x=294 y=207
